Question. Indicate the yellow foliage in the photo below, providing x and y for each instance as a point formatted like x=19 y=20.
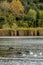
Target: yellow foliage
x=17 y=7
x=5 y=5
x=14 y=26
x=6 y=26
x=41 y=11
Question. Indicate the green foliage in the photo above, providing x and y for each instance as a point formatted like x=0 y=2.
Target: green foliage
x=41 y=15
x=2 y=21
x=31 y=15
x=10 y=20
x=21 y=13
x=9 y=1
x=40 y=6
x=40 y=22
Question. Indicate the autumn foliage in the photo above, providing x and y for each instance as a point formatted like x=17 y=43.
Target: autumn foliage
x=21 y=13
x=17 y=8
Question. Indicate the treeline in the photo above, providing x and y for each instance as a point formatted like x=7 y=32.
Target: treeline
x=21 y=13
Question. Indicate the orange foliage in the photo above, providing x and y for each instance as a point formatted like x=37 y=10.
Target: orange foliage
x=17 y=7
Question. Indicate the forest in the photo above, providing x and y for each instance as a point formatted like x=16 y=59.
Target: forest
x=21 y=13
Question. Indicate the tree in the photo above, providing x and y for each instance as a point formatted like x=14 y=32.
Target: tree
x=10 y=20
x=40 y=22
x=31 y=16
x=17 y=8
x=41 y=15
x=6 y=17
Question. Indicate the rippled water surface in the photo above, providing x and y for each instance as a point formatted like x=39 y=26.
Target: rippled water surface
x=20 y=63
x=26 y=41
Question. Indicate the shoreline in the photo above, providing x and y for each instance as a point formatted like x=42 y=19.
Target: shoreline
x=22 y=32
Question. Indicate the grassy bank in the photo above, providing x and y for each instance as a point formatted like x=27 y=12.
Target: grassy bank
x=22 y=32
x=38 y=28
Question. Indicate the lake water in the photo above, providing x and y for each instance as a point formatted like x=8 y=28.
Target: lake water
x=20 y=63
x=35 y=55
